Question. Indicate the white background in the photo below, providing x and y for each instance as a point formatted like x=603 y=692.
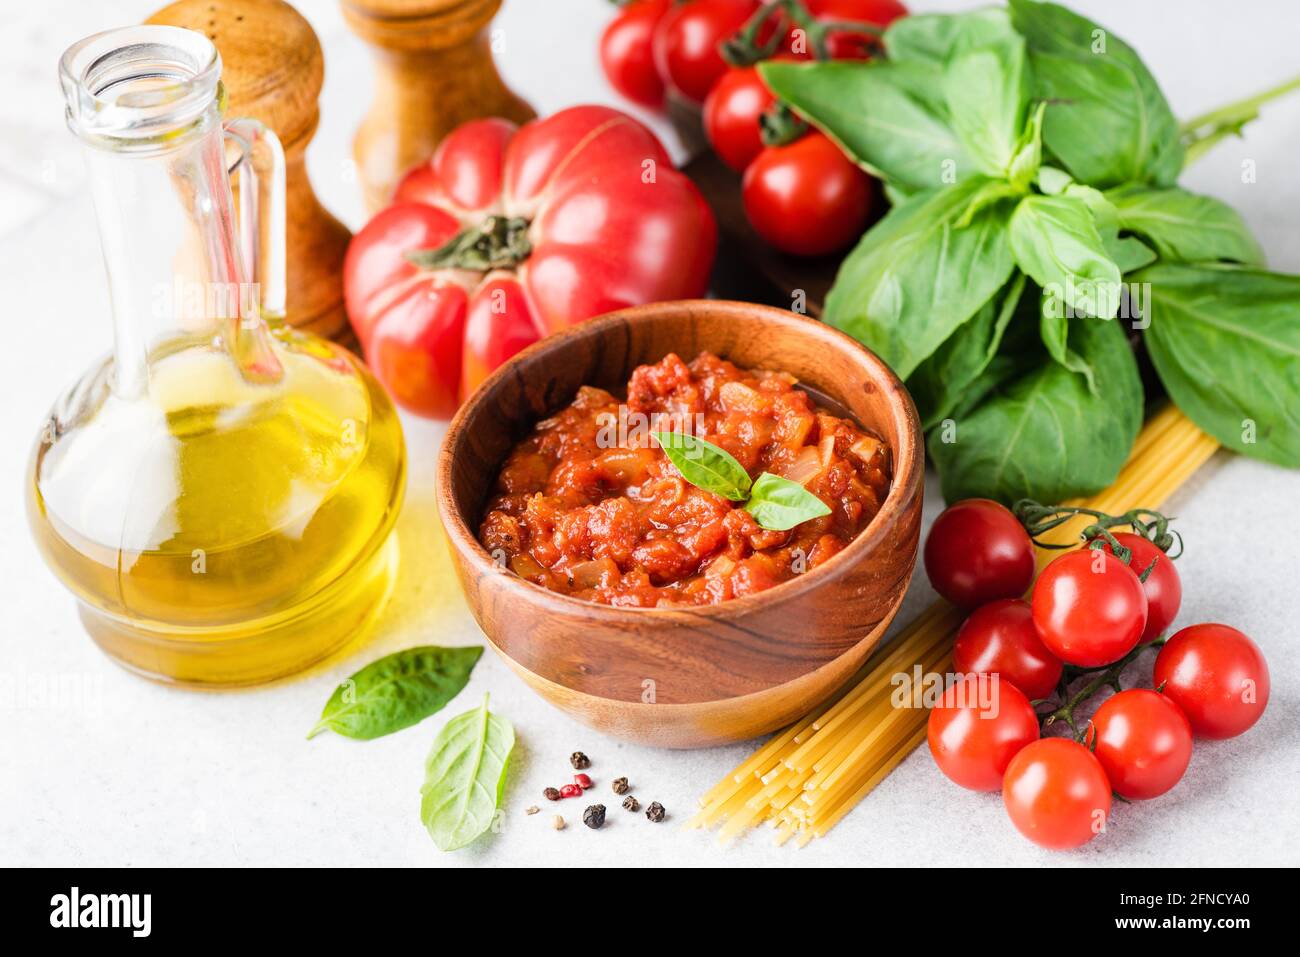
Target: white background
x=131 y=773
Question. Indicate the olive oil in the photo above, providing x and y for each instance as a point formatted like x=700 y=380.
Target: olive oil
x=218 y=530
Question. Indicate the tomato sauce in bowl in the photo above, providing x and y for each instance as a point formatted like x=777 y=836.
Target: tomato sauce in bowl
x=589 y=506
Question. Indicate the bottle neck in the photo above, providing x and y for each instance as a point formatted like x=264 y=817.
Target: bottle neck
x=166 y=225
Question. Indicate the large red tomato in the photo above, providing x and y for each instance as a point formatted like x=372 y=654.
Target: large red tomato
x=509 y=233
x=1143 y=742
x=1089 y=608
x=977 y=727
x=1056 y=793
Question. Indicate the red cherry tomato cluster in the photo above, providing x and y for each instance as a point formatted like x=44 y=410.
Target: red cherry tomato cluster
x=801 y=194
x=1091 y=613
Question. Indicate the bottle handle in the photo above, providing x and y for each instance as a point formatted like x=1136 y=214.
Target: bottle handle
x=260 y=166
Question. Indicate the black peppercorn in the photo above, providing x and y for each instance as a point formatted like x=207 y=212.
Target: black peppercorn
x=579 y=761
x=594 y=816
x=655 y=812
x=631 y=803
x=551 y=794
x=619 y=785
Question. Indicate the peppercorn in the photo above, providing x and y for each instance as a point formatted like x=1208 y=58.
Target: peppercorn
x=557 y=822
x=655 y=812
x=594 y=817
x=571 y=791
x=531 y=809
x=551 y=794
x=619 y=785
x=631 y=803
x=579 y=761
x=582 y=781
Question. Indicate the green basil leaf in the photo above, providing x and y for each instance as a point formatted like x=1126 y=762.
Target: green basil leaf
x=1186 y=226
x=1054 y=327
x=1130 y=253
x=1053 y=181
x=1028 y=157
x=1044 y=435
x=779 y=504
x=1108 y=122
x=397 y=691
x=931 y=38
x=705 y=465
x=915 y=277
x=1055 y=240
x=1225 y=342
x=464 y=776
x=887 y=116
x=987 y=90
x=943 y=380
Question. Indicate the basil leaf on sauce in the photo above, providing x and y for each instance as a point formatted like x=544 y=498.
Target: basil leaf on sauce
x=464 y=777
x=705 y=465
x=397 y=691
x=778 y=504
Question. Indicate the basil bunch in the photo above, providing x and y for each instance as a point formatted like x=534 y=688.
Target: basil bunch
x=1032 y=161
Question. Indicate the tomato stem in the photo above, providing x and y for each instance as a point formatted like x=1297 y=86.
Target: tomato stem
x=779 y=125
x=1039 y=519
x=744 y=49
x=498 y=242
x=1106 y=676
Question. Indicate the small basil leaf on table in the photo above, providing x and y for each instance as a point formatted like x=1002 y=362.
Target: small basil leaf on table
x=931 y=38
x=1108 y=122
x=1044 y=435
x=941 y=382
x=1055 y=240
x=705 y=465
x=464 y=776
x=1225 y=342
x=886 y=116
x=1186 y=226
x=915 y=276
x=987 y=90
x=397 y=691
x=779 y=504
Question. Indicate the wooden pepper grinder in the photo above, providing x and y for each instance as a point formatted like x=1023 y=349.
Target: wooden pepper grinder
x=272 y=69
x=434 y=71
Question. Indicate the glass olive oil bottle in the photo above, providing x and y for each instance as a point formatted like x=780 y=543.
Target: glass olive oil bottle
x=219 y=494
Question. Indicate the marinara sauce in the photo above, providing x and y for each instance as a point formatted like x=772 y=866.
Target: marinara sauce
x=588 y=505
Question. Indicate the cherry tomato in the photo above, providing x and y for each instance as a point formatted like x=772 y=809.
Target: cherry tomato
x=841 y=44
x=627 y=55
x=1217 y=676
x=807 y=198
x=1000 y=639
x=1143 y=741
x=1089 y=608
x=731 y=115
x=978 y=552
x=977 y=728
x=686 y=43
x=1056 y=793
x=1163 y=587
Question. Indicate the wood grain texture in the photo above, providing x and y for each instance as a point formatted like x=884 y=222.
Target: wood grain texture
x=433 y=71
x=272 y=69
x=715 y=673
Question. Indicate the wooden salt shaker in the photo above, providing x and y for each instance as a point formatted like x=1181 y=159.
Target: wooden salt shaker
x=434 y=71
x=272 y=69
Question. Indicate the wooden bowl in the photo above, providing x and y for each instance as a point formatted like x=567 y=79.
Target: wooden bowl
x=695 y=676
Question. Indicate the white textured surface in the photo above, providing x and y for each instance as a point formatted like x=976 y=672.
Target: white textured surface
x=101 y=768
